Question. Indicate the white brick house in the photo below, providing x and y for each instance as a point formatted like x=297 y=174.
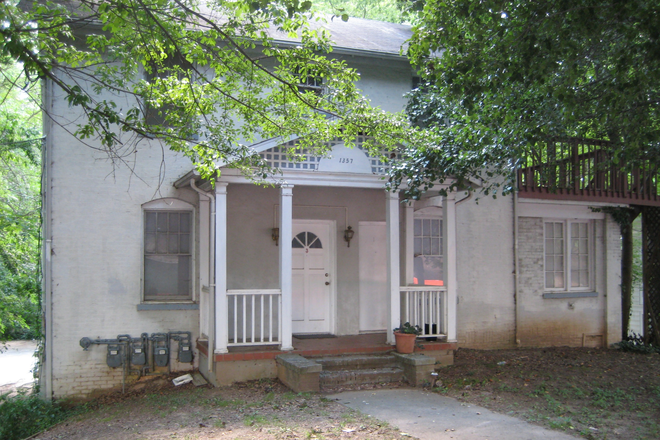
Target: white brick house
x=142 y=250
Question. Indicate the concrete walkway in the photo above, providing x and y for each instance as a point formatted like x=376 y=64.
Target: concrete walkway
x=16 y=364
x=429 y=416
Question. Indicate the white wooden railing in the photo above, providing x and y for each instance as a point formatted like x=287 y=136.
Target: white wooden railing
x=425 y=306
x=254 y=316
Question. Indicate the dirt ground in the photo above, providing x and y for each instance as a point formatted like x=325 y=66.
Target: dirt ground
x=253 y=410
x=595 y=393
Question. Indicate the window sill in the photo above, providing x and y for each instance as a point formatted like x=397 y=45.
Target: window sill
x=560 y=295
x=167 y=306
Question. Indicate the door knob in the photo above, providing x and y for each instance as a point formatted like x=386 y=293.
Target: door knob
x=327 y=283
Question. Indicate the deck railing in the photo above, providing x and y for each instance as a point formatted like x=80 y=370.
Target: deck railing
x=425 y=306
x=254 y=317
x=582 y=169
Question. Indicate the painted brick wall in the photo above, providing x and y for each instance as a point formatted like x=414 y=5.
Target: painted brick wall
x=485 y=309
x=569 y=321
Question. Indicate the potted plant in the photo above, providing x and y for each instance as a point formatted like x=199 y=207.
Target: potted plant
x=405 y=336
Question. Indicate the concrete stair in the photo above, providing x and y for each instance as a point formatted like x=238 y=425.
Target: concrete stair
x=333 y=373
x=351 y=371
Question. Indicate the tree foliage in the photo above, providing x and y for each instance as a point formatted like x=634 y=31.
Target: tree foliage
x=393 y=11
x=20 y=131
x=212 y=74
x=502 y=78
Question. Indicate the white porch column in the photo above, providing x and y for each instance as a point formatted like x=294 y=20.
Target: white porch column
x=393 y=271
x=449 y=252
x=286 y=265
x=410 y=242
x=221 y=307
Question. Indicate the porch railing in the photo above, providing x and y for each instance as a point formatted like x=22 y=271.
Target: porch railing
x=582 y=169
x=254 y=317
x=425 y=306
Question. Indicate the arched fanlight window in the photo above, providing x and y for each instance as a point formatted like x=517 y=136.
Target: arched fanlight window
x=306 y=240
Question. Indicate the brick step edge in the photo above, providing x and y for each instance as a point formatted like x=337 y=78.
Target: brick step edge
x=360 y=377
x=356 y=362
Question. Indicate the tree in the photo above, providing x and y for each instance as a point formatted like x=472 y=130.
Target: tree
x=206 y=79
x=502 y=78
x=20 y=131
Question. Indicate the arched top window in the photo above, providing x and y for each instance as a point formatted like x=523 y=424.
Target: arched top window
x=306 y=240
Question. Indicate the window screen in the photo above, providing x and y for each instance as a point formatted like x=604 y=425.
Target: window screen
x=167 y=255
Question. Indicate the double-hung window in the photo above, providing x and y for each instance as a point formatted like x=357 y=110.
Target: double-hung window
x=568 y=255
x=428 y=261
x=167 y=255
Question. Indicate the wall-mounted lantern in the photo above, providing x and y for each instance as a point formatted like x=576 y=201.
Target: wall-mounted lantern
x=348 y=235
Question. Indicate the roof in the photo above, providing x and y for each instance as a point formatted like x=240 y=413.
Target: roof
x=359 y=34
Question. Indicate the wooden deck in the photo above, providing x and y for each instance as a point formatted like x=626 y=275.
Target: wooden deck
x=353 y=344
x=583 y=170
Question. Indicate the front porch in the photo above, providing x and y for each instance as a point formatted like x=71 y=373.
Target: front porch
x=244 y=363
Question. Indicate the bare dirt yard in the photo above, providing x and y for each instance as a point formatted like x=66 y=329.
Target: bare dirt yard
x=593 y=393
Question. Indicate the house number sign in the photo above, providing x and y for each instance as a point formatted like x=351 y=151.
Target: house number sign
x=345 y=160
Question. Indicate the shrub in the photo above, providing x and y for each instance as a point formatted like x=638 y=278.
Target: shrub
x=22 y=416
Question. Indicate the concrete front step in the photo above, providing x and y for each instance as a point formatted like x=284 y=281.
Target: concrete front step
x=347 y=378
x=356 y=362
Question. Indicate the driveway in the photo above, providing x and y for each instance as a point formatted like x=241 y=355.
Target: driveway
x=16 y=364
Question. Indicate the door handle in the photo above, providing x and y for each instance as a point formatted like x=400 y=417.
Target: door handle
x=327 y=283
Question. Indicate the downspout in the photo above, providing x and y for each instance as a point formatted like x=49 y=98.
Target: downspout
x=516 y=269
x=211 y=335
x=46 y=368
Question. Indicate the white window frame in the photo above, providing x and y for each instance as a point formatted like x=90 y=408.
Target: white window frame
x=567 y=225
x=423 y=217
x=170 y=205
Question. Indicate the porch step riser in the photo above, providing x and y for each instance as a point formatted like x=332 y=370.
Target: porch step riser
x=329 y=379
x=367 y=362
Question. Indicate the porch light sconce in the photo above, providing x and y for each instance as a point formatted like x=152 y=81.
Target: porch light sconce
x=275 y=234
x=348 y=235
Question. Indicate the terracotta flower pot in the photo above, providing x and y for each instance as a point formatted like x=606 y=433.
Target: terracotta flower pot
x=405 y=343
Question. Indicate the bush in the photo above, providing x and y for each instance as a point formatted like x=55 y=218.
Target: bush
x=22 y=416
x=636 y=344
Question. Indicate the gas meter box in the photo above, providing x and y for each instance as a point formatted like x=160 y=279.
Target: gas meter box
x=138 y=355
x=114 y=357
x=161 y=349
x=185 y=352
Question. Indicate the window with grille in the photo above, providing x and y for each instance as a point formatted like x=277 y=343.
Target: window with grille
x=428 y=260
x=167 y=255
x=568 y=255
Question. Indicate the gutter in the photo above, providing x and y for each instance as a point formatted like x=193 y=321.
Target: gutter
x=211 y=336
x=516 y=268
x=46 y=368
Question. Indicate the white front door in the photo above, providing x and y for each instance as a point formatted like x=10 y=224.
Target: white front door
x=312 y=276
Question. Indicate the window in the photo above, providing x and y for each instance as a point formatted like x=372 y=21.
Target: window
x=568 y=255
x=173 y=65
x=167 y=255
x=310 y=83
x=428 y=261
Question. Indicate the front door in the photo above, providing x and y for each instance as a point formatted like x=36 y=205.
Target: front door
x=312 y=276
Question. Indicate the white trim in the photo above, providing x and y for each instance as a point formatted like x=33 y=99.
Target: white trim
x=312 y=178
x=561 y=211
x=450 y=260
x=286 y=265
x=220 y=278
x=169 y=204
x=591 y=263
x=393 y=262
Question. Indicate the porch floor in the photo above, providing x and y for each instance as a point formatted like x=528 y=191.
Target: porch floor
x=365 y=343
